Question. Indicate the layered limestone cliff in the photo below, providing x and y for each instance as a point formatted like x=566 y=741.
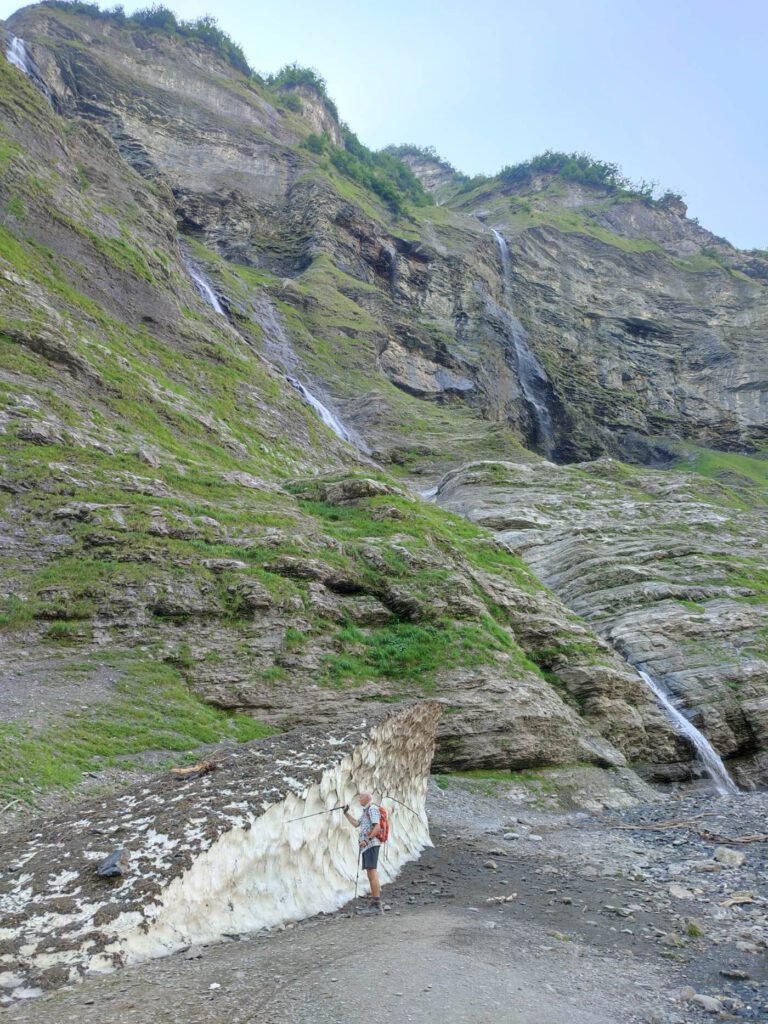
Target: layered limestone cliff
x=384 y=308
x=668 y=567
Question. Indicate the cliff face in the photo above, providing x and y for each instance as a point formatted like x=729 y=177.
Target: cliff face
x=645 y=326
x=668 y=568
x=227 y=361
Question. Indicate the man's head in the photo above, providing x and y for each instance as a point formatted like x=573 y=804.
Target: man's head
x=364 y=798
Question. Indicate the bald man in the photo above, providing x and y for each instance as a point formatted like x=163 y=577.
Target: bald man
x=369 y=824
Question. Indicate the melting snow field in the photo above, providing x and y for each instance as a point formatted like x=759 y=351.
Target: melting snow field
x=220 y=855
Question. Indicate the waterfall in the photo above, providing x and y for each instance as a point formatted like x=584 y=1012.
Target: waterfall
x=16 y=53
x=280 y=351
x=325 y=414
x=501 y=242
x=534 y=382
x=277 y=346
x=204 y=286
x=706 y=753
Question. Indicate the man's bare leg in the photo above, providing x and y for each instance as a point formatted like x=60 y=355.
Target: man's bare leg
x=373 y=881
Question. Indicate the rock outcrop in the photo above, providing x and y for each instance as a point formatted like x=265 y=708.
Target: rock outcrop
x=666 y=566
x=193 y=490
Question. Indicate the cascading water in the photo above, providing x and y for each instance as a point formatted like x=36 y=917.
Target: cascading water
x=280 y=351
x=204 y=286
x=534 y=382
x=501 y=242
x=16 y=53
x=325 y=414
x=706 y=753
x=277 y=345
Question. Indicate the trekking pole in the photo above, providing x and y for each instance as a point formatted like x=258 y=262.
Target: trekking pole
x=387 y=797
x=316 y=813
x=357 y=874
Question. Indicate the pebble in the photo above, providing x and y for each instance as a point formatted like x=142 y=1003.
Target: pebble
x=492 y=865
x=620 y=911
x=705 y=865
x=731 y=858
x=679 y=892
x=708 y=1003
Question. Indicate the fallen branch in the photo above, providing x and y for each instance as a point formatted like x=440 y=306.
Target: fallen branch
x=8 y=806
x=738 y=899
x=660 y=826
x=193 y=771
x=714 y=837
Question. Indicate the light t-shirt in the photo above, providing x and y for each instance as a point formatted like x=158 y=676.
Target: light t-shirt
x=369 y=819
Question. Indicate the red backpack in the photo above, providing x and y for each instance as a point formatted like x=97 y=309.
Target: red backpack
x=383 y=823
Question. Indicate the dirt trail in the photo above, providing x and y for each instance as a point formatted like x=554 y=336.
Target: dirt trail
x=569 y=948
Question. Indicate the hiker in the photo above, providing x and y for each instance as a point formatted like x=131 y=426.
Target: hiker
x=369 y=824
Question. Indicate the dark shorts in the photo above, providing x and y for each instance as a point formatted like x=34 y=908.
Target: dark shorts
x=371 y=857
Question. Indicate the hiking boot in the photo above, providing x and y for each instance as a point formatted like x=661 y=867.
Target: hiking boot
x=369 y=906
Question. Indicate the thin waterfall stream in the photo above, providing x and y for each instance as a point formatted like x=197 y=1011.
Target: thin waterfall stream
x=325 y=414
x=534 y=382
x=16 y=53
x=278 y=347
x=706 y=753
x=204 y=286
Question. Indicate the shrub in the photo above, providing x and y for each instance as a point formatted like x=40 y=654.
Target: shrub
x=291 y=76
x=292 y=102
x=581 y=168
x=382 y=172
x=316 y=143
x=161 y=18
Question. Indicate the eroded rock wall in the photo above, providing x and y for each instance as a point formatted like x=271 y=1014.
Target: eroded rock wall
x=646 y=324
x=666 y=566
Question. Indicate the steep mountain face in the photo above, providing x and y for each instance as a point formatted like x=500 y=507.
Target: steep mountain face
x=228 y=363
x=426 y=302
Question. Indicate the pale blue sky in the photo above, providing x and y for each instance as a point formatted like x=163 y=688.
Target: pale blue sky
x=672 y=90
